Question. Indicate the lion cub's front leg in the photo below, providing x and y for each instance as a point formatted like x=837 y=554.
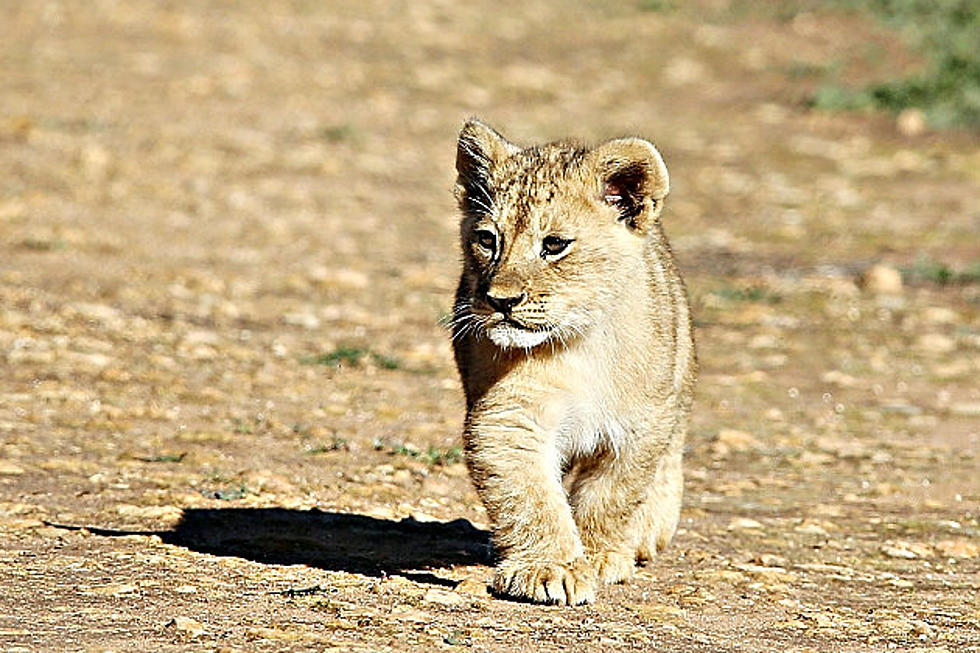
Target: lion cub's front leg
x=514 y=467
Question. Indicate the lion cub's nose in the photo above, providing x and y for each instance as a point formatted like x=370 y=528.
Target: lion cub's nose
x=504 y=304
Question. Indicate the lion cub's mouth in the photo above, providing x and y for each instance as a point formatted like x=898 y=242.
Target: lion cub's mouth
x=517 y=324
x=506 y=336
x=507 y=333
x=504 y=330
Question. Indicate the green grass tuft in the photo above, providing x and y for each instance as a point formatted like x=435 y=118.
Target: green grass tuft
x=227 y=494
x=352 y=357
x=431 y=456
x=340 y=133
x=657 y=6
x=747 y=294
x=336 y=444
x=164 y=458
x=926 y=270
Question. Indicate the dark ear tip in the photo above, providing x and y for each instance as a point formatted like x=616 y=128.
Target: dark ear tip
x=481 y=144
x=473 y=126
x=475 y=136
x=468 y=125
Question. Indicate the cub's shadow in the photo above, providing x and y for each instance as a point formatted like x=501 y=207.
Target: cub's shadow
x=329 y=540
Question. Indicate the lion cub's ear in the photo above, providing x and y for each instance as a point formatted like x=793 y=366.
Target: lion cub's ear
x=480 y=148
x=633 y=179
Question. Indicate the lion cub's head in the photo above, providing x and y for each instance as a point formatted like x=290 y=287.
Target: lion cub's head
x=551 y=235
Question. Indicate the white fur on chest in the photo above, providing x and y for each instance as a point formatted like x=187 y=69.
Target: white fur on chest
x=591 y=417
x=587 y=429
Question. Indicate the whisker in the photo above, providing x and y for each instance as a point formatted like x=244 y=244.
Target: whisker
x=480 y=203
x=458 y=319
x=486 y=193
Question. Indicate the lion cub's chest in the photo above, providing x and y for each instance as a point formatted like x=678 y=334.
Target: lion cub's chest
x=589 y=406
x=587 y=429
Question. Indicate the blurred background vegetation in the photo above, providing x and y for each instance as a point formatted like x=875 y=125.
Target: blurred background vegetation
x=946 y=33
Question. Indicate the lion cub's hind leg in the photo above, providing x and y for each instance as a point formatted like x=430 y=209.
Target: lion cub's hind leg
x=656 y=518
x=603 y=494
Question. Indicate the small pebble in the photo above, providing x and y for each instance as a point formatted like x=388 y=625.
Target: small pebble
x=882 y=279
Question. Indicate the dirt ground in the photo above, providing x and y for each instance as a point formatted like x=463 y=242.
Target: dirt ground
x=229 y=419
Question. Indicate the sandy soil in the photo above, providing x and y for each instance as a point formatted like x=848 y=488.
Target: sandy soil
x=228 y=413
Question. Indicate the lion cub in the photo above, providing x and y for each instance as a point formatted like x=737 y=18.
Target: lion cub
x=572 y=336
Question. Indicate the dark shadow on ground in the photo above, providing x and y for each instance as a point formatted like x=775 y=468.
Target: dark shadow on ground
x=327 y=540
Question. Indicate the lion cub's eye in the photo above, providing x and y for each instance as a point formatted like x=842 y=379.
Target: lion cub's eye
x=486 y=239
x=554 y=245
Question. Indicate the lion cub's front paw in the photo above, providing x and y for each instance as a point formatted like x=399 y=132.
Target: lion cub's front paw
x=572 y=583
x=614 y=567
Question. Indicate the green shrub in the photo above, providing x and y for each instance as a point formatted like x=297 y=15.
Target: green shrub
x=947 y=90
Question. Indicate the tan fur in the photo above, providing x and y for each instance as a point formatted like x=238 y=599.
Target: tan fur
x=577 y=406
